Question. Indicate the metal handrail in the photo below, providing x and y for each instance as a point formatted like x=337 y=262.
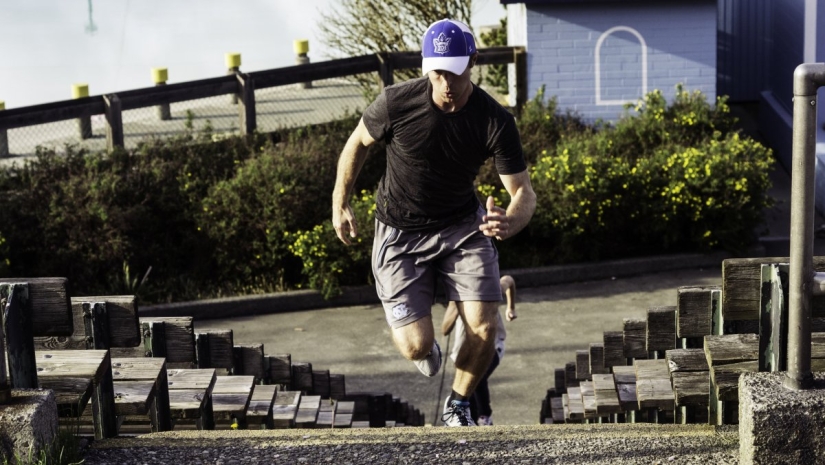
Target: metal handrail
x=804 y=283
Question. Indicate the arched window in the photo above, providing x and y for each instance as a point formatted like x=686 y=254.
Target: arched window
x=602 y=38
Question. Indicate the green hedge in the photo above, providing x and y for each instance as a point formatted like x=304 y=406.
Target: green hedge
x=214 y=216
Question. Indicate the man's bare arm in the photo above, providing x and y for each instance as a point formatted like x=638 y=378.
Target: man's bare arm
x=508 y=286
x=349 y=165
x=500 y=223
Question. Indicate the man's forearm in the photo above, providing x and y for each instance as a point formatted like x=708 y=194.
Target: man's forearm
x=521 y=209
x=349 y=165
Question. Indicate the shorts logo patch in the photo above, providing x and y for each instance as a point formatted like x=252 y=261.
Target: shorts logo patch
x=400 y=311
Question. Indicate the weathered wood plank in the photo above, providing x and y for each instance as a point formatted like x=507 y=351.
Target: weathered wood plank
x=570 y=379
x=215 y=348
x=180 y=340
x=72 y=394
x=694 y=310
x=307 y=411
x=634 y=330
x=624 y=374
x=122 y=318
x=575 y=403
x=817 y=345
x=302 y=377
x=321 y=383
x=48 y=298
x=337 y=386
x=653 y=386
x=557 y=409
x=280 y=369
x=133 y=397
x=614 y=349
x=691 y=388
x=589 y=399
x=742 y=282
x=596 y=358
x=725 y=378
x=326 y=414
x=731 y=348
x=259 y=410
x=249 y=360
x=582 y=365
x=148 y=369
x=18 y=337
x=185 y=404
x=680 y=360
x=607 y=399
x=191 y=378
x=627 y=397
x=343 y=414
x=285 y=408
x=661 y=328
x=76 y=363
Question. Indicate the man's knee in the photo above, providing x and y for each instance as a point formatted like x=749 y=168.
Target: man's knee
x=415 y=340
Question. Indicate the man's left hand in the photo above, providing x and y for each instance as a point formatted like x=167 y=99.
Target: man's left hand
x=495 y=222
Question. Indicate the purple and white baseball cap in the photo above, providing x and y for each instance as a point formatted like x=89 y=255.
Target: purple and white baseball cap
x=447 y=46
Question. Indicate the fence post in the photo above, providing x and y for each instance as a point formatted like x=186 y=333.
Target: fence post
x=4 y=136
x=84 y=123
x=233 y=65
x=19 y=336
x=386 y=69
x=520 y=60
x=246 y=111
x=159 y=77
x=114 y=122
x=5 y=386
x=301 y=47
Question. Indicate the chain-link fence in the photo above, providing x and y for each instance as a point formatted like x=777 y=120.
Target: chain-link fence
x=311 y=94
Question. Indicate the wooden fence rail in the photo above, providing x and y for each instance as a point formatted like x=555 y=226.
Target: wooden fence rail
x=243 y=85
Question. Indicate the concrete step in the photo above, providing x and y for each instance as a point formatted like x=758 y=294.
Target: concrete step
x=574 y=444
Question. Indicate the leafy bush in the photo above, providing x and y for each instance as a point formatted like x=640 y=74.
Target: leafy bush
x=327 y=262
x=664 y=180
x=214 y=215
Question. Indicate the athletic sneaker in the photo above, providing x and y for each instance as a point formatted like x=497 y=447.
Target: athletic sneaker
x=430 y=364
x=485 y=421
x=457 y=413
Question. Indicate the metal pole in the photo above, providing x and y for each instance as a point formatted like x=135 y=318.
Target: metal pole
x=807 y=78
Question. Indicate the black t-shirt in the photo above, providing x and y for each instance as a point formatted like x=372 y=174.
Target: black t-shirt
x=433 y=157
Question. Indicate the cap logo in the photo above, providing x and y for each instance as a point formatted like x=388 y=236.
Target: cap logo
x=442 y=44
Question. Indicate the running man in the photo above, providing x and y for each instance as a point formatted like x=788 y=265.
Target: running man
x=439 y=130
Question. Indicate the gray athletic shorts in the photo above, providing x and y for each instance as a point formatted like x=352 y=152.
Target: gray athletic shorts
x=406 y=265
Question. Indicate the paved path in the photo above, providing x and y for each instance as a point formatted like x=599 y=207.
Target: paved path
x=553 y=322
x=552 y=444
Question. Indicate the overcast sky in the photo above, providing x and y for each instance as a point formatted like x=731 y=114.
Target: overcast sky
x=50 y=44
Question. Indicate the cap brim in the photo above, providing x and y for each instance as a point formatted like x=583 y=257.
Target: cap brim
x=455 y=65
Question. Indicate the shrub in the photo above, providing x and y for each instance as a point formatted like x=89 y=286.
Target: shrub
x=216 y=215
x=327 y=262
x=686 y=190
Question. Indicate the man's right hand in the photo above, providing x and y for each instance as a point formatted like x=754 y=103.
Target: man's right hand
x=343 y=220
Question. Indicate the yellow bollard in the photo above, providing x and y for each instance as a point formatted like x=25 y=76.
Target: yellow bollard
x=159 y=77
x=233 y=64
x=301 y=48
x=4 y=137
x=84 y=123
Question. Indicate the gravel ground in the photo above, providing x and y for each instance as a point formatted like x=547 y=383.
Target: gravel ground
x=569 y=444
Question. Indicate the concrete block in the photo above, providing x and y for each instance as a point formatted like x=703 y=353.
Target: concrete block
x=779 y=425
x=27 y=424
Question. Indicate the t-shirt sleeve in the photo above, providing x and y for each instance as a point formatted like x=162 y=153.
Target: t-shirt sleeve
x=506 y=148
x=376 y=118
